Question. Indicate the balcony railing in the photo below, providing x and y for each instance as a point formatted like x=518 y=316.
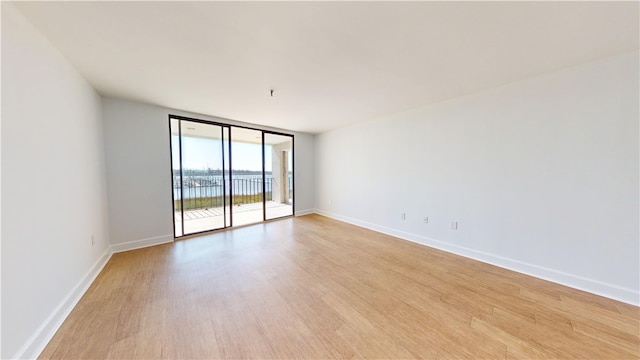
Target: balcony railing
x=206 y=191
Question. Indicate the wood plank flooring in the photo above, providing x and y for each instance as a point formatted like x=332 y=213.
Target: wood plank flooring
x=315 y=288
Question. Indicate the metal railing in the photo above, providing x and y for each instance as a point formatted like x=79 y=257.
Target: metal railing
x=206 y=191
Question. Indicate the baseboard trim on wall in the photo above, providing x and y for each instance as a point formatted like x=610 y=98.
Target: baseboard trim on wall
x=142 y=243
x=610 y=291
x=305 y=212
x=41 y=337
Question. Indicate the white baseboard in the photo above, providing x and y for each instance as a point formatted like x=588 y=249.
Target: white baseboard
x=305 y=212
x=41 y=337
x=142 y=243
x=610 y=291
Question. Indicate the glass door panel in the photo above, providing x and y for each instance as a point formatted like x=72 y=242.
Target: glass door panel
x=247 y=187
x=199 y=203
x=278 y=165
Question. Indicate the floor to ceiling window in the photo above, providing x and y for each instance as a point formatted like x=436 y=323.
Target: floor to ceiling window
x=226 y=175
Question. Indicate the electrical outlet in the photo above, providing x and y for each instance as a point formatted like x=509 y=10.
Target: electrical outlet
x=454 y=225
x=426 y=220
x=93 y=240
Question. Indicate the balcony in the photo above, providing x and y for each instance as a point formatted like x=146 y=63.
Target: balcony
x=205 y=205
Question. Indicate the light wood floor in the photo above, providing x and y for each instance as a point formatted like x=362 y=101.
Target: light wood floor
x=311 y=287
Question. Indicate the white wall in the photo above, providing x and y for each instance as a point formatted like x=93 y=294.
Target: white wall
x=139 y=171
x=53 y=187
x=542 y=176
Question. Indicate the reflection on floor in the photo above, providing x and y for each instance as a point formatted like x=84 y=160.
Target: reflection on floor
x=213 y=218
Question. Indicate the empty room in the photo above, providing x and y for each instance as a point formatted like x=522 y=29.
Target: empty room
x=320 y=180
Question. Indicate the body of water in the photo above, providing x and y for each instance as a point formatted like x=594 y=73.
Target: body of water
x=212 y=186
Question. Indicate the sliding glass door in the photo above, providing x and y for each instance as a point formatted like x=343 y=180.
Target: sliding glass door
x=246 y=176
x=226 y=175
x=199 y=180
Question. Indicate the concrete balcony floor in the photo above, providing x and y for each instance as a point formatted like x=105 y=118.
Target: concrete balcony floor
x=213 y=218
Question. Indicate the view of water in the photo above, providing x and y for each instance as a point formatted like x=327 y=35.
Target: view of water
x=206 y=186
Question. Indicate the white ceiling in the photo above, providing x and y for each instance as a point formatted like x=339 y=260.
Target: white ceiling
x=331 y=63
